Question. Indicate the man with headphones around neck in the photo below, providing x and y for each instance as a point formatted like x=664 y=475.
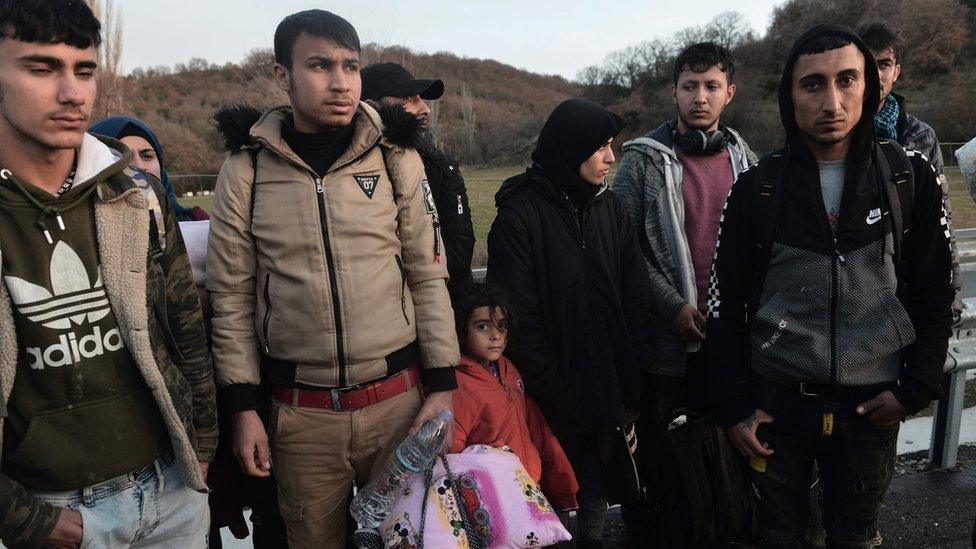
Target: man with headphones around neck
x=673 y=182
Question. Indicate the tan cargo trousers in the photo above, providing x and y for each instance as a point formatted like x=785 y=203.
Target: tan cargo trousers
x=317 y=455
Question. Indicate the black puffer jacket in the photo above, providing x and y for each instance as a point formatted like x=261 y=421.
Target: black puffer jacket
x=583 y=302
x=451 y=199
x=828 y=311
x=447 y=186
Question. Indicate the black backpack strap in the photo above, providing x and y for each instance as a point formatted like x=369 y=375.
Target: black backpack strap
x=767 y=191
x=157 y=244
x=253 y=153
x=899 y=183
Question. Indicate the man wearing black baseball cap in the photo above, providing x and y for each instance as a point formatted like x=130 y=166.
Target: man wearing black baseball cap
x=393 y=80
x=400 y=100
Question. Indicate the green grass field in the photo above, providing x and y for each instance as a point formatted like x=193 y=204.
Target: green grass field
x=483 y=183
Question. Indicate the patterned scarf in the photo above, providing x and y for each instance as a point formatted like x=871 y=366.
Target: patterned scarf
x=886 y=121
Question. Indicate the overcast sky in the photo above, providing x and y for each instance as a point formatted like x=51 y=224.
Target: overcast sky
x=549 y=37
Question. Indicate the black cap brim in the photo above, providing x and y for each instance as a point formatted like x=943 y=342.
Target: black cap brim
x=426 y=89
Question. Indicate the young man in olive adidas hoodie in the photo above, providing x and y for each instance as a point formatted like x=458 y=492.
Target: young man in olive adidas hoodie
x=105 y=378
x=327 y=275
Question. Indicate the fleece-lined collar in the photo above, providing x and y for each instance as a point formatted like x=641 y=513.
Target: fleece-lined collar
x=100 y=158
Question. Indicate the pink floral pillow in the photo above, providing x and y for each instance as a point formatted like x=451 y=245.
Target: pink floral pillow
x=505 y=506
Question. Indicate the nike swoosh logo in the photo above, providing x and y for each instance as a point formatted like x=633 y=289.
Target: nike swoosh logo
x=873 y=217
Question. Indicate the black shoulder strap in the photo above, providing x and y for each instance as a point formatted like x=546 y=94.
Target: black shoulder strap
x=253 y=152
x=899 y=184
x=155 y=240
x=767 y=190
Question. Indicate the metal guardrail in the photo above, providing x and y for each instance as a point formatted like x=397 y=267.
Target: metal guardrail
x=960 y=358
x=949 y=152
x=966 y=246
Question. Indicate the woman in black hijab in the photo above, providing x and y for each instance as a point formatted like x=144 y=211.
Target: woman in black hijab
x=563 y=246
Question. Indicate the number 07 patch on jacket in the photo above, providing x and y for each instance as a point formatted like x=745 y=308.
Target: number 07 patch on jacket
x=367 y=183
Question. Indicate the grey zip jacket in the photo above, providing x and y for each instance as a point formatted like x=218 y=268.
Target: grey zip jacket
x=648 y=183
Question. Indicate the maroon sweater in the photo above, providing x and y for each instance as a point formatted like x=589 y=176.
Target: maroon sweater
x=705 y=184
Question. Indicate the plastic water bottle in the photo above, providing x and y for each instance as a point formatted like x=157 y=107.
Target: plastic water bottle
x=415 y=454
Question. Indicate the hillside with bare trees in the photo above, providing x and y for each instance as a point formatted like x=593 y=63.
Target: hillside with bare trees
x=938 y=69
x=491 y=112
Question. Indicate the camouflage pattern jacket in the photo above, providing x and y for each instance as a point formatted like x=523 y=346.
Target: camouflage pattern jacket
x=159 y=317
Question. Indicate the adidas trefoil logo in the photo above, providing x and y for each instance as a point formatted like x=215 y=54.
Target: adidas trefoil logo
x=73 y=299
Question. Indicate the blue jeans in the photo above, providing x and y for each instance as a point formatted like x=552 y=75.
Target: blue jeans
x=151 y=507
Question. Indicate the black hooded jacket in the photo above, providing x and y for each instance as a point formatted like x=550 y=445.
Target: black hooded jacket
x=831 y=309
x=447 y=186
x=577 y=278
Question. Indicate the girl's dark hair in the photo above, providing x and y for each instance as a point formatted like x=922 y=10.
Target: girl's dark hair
x=476 y=295
x=50 y=22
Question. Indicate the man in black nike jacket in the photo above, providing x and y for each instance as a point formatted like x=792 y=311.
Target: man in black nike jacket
x=826 y=326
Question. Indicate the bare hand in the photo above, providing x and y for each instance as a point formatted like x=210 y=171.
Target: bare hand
x=743 y=435
x=251 y=444
x=68 y=532
x=204 y=467
x=433 y=404
x=884 y=409
x=688 y=324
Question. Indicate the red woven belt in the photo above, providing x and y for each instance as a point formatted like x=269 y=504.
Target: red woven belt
x=350 y=399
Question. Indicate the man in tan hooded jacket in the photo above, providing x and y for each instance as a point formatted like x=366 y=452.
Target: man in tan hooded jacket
x=327 y=278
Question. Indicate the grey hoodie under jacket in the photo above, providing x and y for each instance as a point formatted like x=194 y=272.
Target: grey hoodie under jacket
x=648 y=183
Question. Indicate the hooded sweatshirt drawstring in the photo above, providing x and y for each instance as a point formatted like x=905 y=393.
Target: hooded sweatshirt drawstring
x=46 y=211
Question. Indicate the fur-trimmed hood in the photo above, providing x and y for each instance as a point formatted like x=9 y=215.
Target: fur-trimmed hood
x=233 y=123
x=400 y=127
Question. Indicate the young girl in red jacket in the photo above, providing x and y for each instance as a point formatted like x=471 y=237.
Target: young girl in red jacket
x=490 y=404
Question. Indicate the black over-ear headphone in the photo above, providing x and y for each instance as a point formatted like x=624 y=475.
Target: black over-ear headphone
x=698 y=142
